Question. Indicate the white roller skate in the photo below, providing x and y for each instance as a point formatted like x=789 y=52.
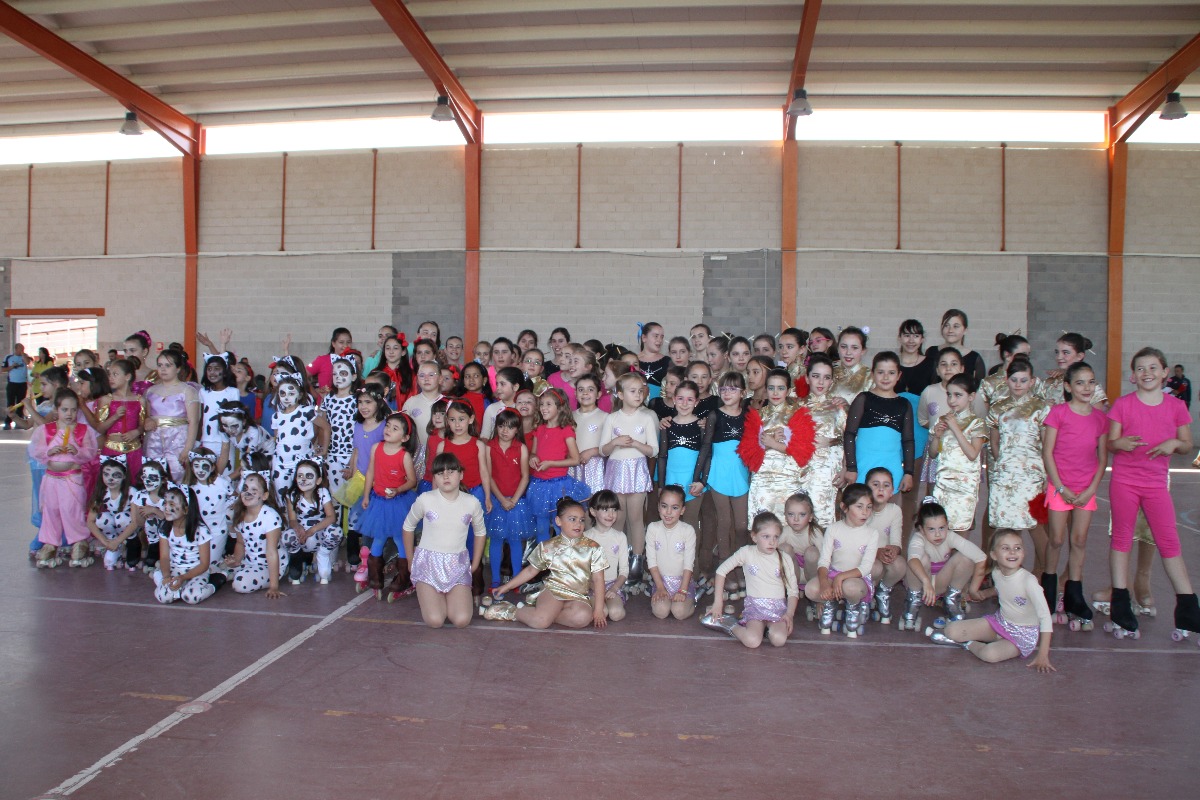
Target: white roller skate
x=883 y=605
x=826 y=620
x=47 y=557
x=912 y=610
x=81 y=555
x=939 y=637
x=852 y=624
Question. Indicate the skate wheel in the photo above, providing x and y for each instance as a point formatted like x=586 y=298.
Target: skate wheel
x=1150 y=611
x=1101 y=607
x=810 y=613
x=874 y=616
x=885 y=620
x=359 y=588
x=1060 y=618
x=1074 y=625
x=1178 y=635
x=939 y=623
x=852 y=634
x=378 y=594
x=929 y=631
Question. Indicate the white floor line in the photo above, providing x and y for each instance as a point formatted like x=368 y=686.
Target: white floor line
x=70 y=785
x=190 y=609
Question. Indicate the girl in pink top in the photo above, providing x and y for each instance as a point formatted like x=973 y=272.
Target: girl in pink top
x=1075 y=450
x=552 y=452
x=64 y=447
x=1145 y=429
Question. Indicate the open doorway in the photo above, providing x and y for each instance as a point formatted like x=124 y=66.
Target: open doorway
x=62 y=337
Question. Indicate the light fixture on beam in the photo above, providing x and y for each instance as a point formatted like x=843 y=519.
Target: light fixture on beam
x=1173 y=108
x=799 y=107
x=442 y=111
x=131 y=127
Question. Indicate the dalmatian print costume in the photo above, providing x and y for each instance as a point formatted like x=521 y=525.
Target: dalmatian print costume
x=324 y=543
x=112 y=521
x=254 y=439
x=210 y=428
x=340 y=412
x=294 y=434
x=185 y=556
x=216 y=511
x=155 y=528
x=254 y=573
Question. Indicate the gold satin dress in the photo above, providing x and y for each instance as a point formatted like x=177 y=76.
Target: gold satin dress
x=1019 y=474
x=1051 y=391
x=817 y=476
x=779 y=477
x=849 y=382
x=571 y=563
x=956 y=485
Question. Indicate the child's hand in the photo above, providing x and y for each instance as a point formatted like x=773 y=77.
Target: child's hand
x=624 y=440
x=659 y=596
x=1042 y=664
x=1126 y=444
x=906 y=483
x=1164 y=449
x=599 y=617
x=679 y=597
x=117 y=413
x=826 y=589
x=696 y=489
x=150 y=424
x=348 y=473
x=1082 y=499
x=487 y=503
x=535 y=464
x=822 y=442
x=788 y=625
x=837 y=588
x=366 y=499
x=273 y=593
x=939 y=428
x=928 y=595
x=888 y=554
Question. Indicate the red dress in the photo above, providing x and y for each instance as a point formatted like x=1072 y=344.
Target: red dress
x=468 y=454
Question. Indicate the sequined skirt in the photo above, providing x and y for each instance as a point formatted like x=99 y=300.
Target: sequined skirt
x=591 y=473
x=674 y=582
x=1025 y=637
x=764 y=609
x=543 y=494
x=627 y=476
x=833 y=573
x=516 y=524
x=442 y=571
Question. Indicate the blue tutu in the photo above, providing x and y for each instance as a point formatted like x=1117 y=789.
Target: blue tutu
x=544 y=493
x=384 y=519
x=727 y=473
x=515 y=525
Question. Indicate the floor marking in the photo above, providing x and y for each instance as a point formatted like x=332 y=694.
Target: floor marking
x=190 y=609
x=174 y=698
x=75 y=782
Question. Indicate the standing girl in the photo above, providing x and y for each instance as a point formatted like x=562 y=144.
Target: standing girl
x=771 y=590
x=419 y=407
x=1071 y=348
x=339 y=407
x=397 y=366
x=777 y=443
x=509 y=522
x=1075 y=451
x=679 y=454
x=822 y=476
x=463 y=443
x=390 y=480
x=1145 y=429
x=257 y=561
x=721 y=472
x=509 y=381
x=756 y=380
x=957 y=439
x=137 y=345
x=368 y=432
x=64 y=446
x=850 y=375
x=739 y=354
x=173 y=419
x=214 y=496
x=443 y=565
x=322 y=366
x=651 y=360
x=217 y=383
x=474 y=388
x=552 y=453
x=954 y=334
x=311 y=523
x=185 y=549
x=1023 y=622
x=844 y=566
x=628 y=438
x=110 y=517
x=879 y=426
x=589 y=420
x=300 y=431
x=916 y=365
x=1015 y=425
x=679 y=351
x=994 y=387
x=793 y=354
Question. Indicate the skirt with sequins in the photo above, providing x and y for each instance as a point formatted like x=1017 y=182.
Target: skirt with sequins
x=591 y=473
x=833 y=573
x=543 y=494
x=442 y=571
x=763 y=609
x=1025 y=637
x=674 y=582
x=627 y=476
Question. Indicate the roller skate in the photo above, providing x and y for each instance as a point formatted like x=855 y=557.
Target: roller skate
x=360 y=572
x=724 y=623
x=1053 y=599
x=401 y=585
x=912 y=610
x=1077 y=613
x=810 y=610
x=375 y=575
x=939 y=637
x=883 y=605
x=295 y=573
x=81 y=555
x=501 y=611
x=637 y=574
x=825 y=623
x=954 y=611
x=853 y=619
x=1187 y=617
x=47 y=557
x=1123 y=622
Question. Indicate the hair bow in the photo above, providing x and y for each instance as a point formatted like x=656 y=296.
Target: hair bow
x=866 y=329
x=227 y=357
x=316 y=459
x=117 y=459
x=640 y=325
x=403 y=339
x=276 y=361
x=266 y=476
x=194 y=455
x=349 y=356
x=294 y=376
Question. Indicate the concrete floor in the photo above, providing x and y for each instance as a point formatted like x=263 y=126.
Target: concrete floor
x=328 y=694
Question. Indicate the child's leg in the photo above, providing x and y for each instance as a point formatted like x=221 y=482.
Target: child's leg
x=615 y=609
x=706 y=537
x=1041 y=541
x=957 y=571
x=1159 y=509
x=1124 y=502
x=812 y=589
x=682 y=609
x=854 y=590
x=164 y=595
x=741 y=525
x=721 y=522
x=496 y=556
x=460 y=606
x=752 y=634
x=972 y=630
x=197 y=590
x=1080 y=520
x=1141 y=580
x=250 y=578
x=1057 y=536
x=811 y=557
x=635 y=529
x=912 y=582
x=542 y=615
x=777 y=633
x=516 y=549
x=994 y=652
x=575 y=614
x=432 y=604
x=660 y=608
x=111 y=557
x=891 y=574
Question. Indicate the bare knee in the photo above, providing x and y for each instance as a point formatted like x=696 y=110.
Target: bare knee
x=460 y=619
x=683 y=610
x=778 y=638
x=616 y=611
x=661 y=610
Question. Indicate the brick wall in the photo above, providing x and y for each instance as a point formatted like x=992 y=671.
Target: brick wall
x=740 y=291
x=420 y=198
x=68 y=210
x=1163 y=202
x=14 y=194
x=329 y=201
x=731 y=195
x=630 y=196
x=241 y=204
x=146 y=207
x=1057 y=201
x=428 y=285
x=529 y=197
x=847 y=196
x=950 y=198
x=1067 y=293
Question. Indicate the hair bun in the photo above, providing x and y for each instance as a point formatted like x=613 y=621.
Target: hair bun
x=1000 y=337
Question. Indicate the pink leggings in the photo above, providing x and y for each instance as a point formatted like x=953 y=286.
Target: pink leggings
x=1159 y=509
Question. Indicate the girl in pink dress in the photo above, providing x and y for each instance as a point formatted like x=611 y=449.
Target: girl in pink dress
x=64 y=446
x=173 y=421
x=120 y=415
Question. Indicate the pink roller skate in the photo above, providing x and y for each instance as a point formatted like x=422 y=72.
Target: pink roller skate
x=360 y=574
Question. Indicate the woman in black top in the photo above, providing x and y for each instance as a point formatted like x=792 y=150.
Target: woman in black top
x=879 y=428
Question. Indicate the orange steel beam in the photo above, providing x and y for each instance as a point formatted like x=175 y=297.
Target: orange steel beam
x=804 y=45
x=1118 y=159
x=409 y=31
x=790 y=234
x=54 y=312
x=191 y=245
x=176 y=127
x=472 y=173
x=1133 y=109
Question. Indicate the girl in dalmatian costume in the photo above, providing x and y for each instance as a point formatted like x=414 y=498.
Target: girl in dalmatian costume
x=110 y=517
x=301 y=431
x=217 y=385
x=214 y=492
x=244 y=438
x=184 y=549
x=339 y=407
x=257 y=560
x=147 y=503
x=311 y=521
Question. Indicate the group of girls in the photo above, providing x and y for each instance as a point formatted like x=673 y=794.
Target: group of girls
x=698 y=460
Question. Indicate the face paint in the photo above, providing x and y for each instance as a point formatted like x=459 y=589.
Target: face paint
x=342 y=376
x=232 y=426
x=151 y=479
x=288 y=395
x=203 y=467
x=112 y=477
x=306 y=479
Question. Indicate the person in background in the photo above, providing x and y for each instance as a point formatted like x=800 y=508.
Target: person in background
x=1181 y=386
x=16 y=367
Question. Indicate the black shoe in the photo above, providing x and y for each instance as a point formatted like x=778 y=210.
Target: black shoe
x=296 y=571
x=217 y=580
x=1050 y=590
x=1187 y=613
x=1122 y=610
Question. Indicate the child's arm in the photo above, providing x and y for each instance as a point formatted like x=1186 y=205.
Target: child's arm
x=1041 y=662
x=223 y=458
x=524 y=484
x=410 y=475
x=348 y=472
x=293 y=521
x=609 y=441
x=689 y=566
x=193 y=425
x=485 y=474
x=599 y=617
x=239 y=550
x=370 y=476
x=490 y=486
x=415 y=514
x=322 y=431
x=479 y=528
x=1182 y=443
x=1049 y=437
x=273 y=592
x=523 y=577
x=201 y=568
x=970 y=447
x=1116 y=441
x=660 y=464
x=164 y=559
x=327 y=521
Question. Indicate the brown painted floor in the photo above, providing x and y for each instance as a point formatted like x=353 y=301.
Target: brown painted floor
x=374 y=705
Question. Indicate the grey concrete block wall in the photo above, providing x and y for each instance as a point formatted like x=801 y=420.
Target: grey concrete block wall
x=429 y=285
x=741 y=292
x=1067 y=293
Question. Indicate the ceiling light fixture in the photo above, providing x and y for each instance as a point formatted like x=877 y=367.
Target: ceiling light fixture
x=442 y=111
x=1173 y=108
x=799 y=107
x=130 y=126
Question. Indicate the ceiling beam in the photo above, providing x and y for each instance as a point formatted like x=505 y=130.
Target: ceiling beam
x=1128 y=113
x=409 y=31
x=804 y=48
x=179 y=129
